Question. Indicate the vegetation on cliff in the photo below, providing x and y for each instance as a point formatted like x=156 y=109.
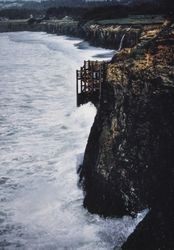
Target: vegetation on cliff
x=128 y=163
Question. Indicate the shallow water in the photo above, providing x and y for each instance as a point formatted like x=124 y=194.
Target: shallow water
x=42 y=140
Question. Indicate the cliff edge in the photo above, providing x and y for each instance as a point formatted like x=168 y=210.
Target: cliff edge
x=128 y=162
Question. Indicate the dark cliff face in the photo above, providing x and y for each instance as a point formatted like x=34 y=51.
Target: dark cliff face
x=154 y=232
x=59 y=27
x=107 y=36
x=110 y=36
x=128 y=163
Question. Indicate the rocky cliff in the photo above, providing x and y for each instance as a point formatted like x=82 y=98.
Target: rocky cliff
x=128 y=162
x=103 y=35
x=59 y=27
x=109 y=36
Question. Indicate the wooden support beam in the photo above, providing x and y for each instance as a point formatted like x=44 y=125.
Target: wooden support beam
x=90 y=77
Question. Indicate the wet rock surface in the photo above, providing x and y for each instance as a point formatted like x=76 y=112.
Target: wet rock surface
x=128 y=163
x=154 y=232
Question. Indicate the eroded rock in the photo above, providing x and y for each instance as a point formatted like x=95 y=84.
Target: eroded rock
x=128 y=163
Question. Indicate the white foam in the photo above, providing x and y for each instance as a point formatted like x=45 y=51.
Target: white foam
x=43 y=135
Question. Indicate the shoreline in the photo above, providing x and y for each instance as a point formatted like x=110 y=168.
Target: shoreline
x=128 y=158
x=97 y=34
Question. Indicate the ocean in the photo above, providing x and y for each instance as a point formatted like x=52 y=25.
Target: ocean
x=42 y=140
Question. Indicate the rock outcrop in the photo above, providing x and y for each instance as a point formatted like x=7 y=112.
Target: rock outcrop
x=128 y=163
x=155 y=231
x=107 y=36
x=59 y=27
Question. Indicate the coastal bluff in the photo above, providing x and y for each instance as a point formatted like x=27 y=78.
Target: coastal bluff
x=106 y=34
x=128 y=162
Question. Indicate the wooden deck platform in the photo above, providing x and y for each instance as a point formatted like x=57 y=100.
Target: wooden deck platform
x=90 y=78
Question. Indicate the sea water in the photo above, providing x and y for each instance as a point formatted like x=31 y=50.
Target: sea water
x=42 y=140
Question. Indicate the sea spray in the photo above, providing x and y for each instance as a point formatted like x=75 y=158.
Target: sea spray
x=42 y=134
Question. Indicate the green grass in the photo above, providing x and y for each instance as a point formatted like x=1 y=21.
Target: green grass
x=134 y=20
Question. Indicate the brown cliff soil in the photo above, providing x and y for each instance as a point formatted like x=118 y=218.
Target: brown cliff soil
x=128 y=163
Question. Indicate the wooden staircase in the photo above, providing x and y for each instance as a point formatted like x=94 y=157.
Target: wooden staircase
x=90 y=78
